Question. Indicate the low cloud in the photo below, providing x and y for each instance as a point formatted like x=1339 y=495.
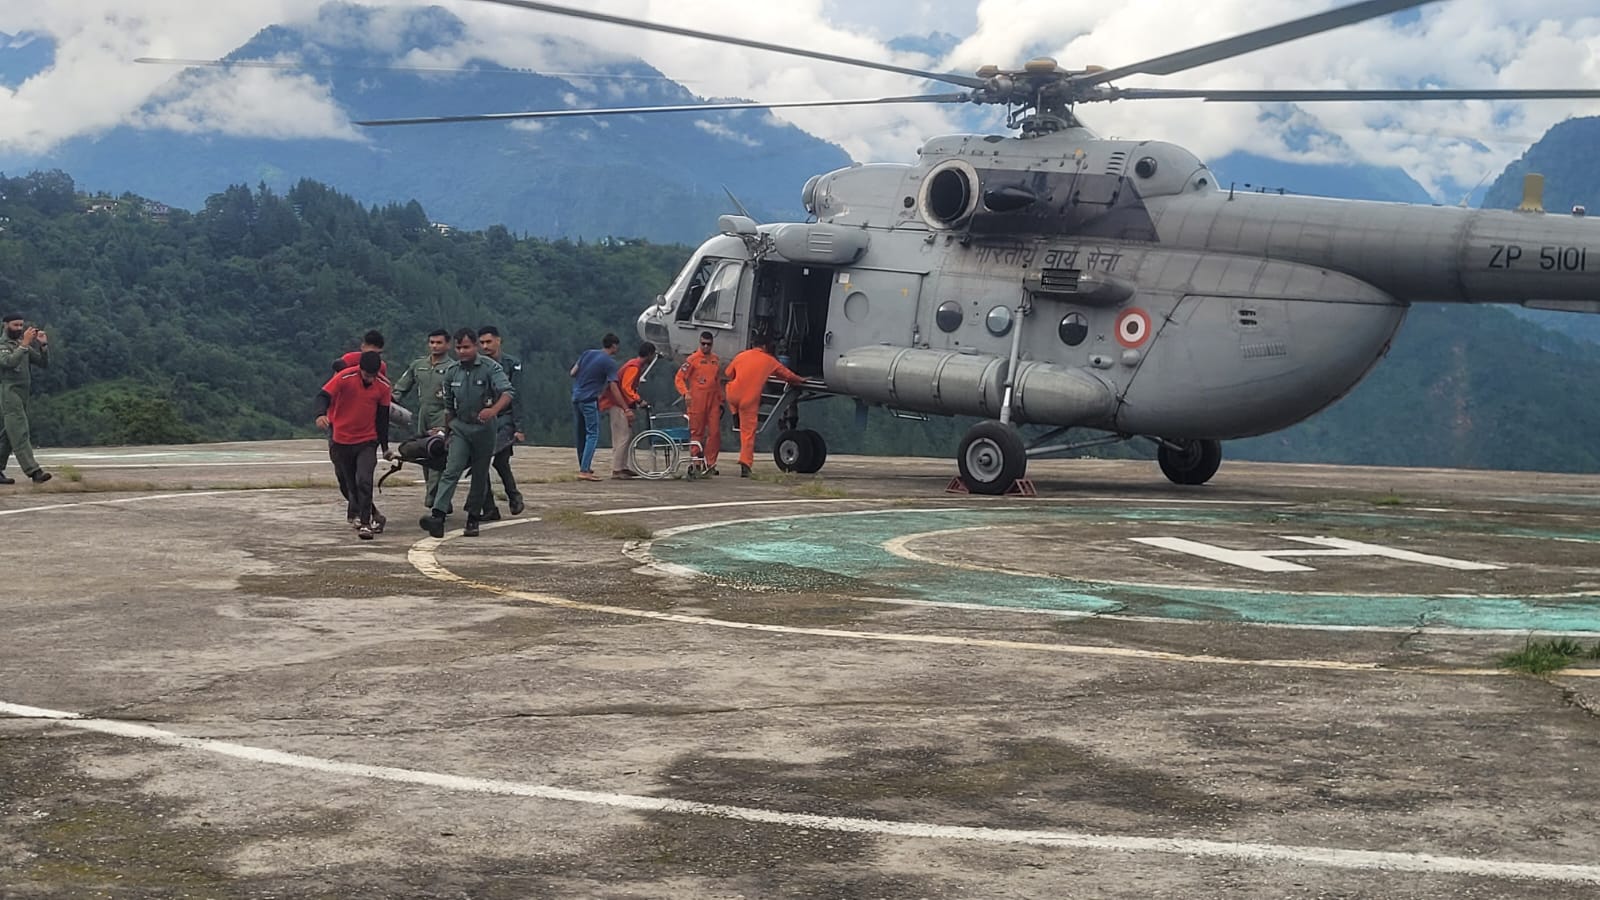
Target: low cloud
x=717 y=129
x=264 y=103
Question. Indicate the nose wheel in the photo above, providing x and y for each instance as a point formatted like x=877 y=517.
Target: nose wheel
x=1189 y=461
x=992 y=458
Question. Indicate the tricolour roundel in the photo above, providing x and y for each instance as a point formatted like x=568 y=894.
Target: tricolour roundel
x=1133 y=328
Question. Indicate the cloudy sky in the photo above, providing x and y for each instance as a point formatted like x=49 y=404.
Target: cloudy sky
x=94 y=85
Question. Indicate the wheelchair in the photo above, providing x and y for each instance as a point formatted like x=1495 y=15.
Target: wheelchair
x=665 y=450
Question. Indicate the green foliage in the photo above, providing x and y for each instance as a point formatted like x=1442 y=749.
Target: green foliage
x=222 y=325
x=1540 y=657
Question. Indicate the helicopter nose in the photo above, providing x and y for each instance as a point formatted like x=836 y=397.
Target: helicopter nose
x=650 y=325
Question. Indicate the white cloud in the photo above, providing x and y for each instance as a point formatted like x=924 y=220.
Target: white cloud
x=247 y=103
x=717 y=129
x=1461 y=43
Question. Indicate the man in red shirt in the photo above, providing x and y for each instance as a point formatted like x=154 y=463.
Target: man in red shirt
x=354 y=405
x=371 y=342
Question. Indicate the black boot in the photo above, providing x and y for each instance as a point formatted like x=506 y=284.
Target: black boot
x=471 y=529
x=40 y=477
x=433 y=524
x=5 y=480
x=516 y=505
x=744 y=471
x=492 y=514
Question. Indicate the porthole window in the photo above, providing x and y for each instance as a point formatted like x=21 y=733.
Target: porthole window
x=949 y=316
x=1145 y=167
x=1074 y=328
x=998 y=321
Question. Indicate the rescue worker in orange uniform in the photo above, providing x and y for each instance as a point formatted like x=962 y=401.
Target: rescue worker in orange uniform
x=699 y=381
x=747 y=375
x=621 y=428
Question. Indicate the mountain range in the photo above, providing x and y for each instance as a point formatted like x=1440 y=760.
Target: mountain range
x=657 y=177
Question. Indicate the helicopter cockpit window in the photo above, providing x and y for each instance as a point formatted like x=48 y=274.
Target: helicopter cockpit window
x=721 y=295
x=697 y=279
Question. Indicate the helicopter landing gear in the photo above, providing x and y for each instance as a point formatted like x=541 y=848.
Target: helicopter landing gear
x=800 y=450
x=991 y=458
x=1189 y=461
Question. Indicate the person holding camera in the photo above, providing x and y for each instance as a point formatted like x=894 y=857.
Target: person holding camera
x=22 y=347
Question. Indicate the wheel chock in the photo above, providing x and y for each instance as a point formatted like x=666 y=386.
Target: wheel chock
x=1022 y=487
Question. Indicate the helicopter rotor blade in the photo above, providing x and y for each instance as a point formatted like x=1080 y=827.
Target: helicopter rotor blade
x=323 y=67
x=639 y=110
x=946 y=77
x=1318 y=96
x=1254 y=40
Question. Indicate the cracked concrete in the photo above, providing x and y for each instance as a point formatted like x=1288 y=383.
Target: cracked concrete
x=285 y=633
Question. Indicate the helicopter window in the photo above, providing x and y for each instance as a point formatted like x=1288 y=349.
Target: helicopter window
x=998 y=321
x=1074 y=328
x=694 y=280
x=721 y=295
x=949 y=316
x=1145 y=168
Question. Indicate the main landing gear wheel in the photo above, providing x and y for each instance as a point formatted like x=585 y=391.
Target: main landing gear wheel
x=800 y=450
x=991 y=458
x=1194 y=462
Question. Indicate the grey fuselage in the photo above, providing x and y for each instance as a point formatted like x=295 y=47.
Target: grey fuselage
x=1143 y=297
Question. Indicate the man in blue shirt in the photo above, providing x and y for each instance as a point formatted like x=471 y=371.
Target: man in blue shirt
x=594 y=373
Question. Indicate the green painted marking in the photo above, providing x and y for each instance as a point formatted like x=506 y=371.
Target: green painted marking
x=779 y=554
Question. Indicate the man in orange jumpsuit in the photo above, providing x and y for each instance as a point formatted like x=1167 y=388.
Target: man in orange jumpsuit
x=699 y=381
x=747 y=375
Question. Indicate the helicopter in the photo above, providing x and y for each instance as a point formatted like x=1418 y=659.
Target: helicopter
x=1054 y=278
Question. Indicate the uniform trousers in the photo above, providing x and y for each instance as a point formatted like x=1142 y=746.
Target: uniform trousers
x=471 y=451
x=14 y=434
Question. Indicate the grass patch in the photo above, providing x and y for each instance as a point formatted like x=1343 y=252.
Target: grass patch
x=818 y=488
x=98 y=485
x=70 y=473
x=547 y=479
x=614 y=527
x=1389 y=499
x=803 y=486
x=1540 y=657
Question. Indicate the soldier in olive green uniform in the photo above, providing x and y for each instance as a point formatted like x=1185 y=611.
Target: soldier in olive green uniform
x=508 y=428
x=476 y=393
x=427 y=376
x=21 y=348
